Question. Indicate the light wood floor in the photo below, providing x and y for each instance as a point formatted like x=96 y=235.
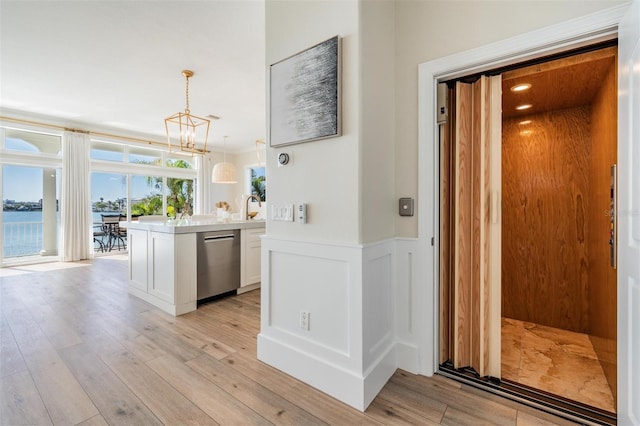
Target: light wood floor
x=76 y=348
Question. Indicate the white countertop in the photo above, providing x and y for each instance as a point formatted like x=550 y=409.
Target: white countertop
x=188 y=226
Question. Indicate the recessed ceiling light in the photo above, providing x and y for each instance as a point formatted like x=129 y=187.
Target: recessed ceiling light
x=523 y=107
x=525 y=122
x=521 y=87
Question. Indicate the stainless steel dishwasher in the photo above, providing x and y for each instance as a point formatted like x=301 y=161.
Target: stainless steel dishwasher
x=218 y=262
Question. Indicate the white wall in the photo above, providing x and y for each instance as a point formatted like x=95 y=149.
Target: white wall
x=371 y=310
x=319 y=267
x=218 y=191
x=324 y=174
x=427 y=30
x=377 y=120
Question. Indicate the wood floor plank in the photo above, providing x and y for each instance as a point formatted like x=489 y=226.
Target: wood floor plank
x=46 y=310
x=461 y=405
x=165 y=338
x=94 y=421
x=304 y=396
x=525 y=419
x=219 y=311
x=11 y=360
x=114 y=325
x=414 y=401
x=196 y=335
x=20 y=402
x=240 y=342
x=167 y=403
x=116 y=403
x=143 y=348
x=265 y=402
x=129 y=338
x=64 y=398
x=531 y=414
x=218 y=404
x=387 y=412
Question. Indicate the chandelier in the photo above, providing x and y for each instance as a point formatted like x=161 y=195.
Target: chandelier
x=190 y=130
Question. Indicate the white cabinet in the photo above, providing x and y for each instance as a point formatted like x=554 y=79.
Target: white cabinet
x=162 y=269
x=250 y=255
x=138 y=266
x=162 y=266
x=163 y=258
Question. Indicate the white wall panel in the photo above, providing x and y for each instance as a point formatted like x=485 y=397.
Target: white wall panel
x=407 y=313
x=325 y=296
x=349 y=351
x=377 y=300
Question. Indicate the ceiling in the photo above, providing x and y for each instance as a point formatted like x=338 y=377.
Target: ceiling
x=117 y=64
x=562 y=83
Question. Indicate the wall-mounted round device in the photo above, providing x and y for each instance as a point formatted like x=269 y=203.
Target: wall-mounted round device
x=283 y=158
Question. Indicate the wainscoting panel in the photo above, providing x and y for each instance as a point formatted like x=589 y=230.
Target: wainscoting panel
x=406 y=304
x=377 y=295
x=348 y=290
x=324 y=296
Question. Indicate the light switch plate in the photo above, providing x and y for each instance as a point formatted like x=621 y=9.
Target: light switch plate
x=406 y=206
x=283 y=213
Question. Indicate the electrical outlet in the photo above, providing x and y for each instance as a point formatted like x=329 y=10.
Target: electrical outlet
x=304 y=320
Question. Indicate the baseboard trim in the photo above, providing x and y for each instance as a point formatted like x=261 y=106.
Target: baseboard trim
x=346 y=386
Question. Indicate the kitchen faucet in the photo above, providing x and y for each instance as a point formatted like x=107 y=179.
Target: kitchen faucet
x=246 y=208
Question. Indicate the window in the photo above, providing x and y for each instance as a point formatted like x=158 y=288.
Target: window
x=145 y=156
x=148 y=181
x=146 y=195
x=20 y=140
x=257 y=182
x=108 y=194
x=179 y=197
x=107 y=151
x=30 y=218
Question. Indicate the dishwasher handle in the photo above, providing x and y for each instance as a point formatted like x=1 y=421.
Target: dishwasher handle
x=216 y=238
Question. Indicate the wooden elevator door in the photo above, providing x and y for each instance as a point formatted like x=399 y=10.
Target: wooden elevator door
x=470 y=277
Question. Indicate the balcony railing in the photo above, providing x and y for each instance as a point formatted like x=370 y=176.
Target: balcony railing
x=22 y=239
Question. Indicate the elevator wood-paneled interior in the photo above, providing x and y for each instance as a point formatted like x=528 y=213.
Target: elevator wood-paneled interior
x=555 y=223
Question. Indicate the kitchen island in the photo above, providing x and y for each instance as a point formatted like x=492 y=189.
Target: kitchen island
x=163 y=259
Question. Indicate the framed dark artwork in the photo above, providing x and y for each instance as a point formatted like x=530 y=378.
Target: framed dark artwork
x=305 y=95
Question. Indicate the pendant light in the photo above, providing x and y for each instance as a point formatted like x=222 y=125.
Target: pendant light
x=224 y=172
x=190 y=130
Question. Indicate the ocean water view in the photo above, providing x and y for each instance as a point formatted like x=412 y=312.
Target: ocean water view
x=22 y=231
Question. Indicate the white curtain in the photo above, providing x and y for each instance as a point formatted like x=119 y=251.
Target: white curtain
x=75 y=211
x=203 y=185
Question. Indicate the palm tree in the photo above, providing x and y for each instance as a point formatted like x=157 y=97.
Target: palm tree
x=258 y=186
x=180 y=197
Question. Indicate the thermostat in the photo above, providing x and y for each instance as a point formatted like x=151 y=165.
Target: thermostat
x=283 y=158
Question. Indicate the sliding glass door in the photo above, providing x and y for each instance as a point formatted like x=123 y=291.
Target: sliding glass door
x=30 y=187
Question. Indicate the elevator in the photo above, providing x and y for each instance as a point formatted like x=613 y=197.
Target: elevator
x=527 y=258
